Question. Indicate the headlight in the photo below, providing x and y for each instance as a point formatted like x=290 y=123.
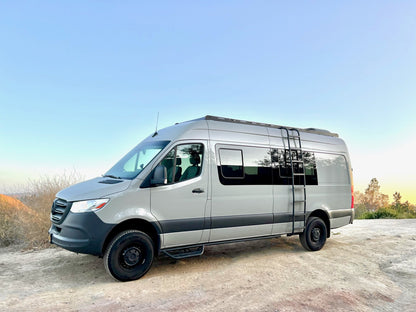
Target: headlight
x=88 y=205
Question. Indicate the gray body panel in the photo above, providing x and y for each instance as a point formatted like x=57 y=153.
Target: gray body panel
x=92 y=189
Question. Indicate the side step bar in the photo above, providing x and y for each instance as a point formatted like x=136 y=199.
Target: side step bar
x=181 y=253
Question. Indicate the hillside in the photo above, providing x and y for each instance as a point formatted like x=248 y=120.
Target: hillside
x=17 y=221
x=10 y=202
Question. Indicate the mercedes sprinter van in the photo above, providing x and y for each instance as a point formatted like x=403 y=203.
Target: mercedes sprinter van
x=207 y=181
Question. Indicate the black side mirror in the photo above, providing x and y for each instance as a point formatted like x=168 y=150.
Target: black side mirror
x=160 y=176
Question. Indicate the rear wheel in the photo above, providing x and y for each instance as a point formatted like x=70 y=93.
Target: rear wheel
x=314 y=236
x=129 y=255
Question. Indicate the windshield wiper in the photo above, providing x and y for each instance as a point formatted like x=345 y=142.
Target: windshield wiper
x=111 y=176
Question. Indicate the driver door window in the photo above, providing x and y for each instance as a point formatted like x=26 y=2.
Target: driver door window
x=183 y=162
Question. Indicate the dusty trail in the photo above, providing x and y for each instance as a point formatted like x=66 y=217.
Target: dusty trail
x=367 y=266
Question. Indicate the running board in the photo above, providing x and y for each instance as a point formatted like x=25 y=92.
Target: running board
x=181 y=253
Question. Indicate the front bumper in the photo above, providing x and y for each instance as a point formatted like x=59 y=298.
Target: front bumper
x=81 y=233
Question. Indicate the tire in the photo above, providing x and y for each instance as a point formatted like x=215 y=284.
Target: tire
x=129 y=255
x=313 y=237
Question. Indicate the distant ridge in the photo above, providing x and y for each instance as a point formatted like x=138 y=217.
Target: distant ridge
x=9 y=202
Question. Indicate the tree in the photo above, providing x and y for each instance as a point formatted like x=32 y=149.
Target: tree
x=397 y=198
x=373 y=198
x=372 y=204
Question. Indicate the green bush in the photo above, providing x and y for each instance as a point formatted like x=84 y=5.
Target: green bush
x=361 y=211
x=383 y=213
x=390 y=212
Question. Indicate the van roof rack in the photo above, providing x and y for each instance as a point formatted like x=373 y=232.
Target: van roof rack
x=309 y=130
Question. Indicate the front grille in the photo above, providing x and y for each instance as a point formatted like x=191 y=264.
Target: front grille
x=60 y=209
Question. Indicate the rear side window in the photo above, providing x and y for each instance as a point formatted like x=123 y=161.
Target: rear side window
x=332 y=169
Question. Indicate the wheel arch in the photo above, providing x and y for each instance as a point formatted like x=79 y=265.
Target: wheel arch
x=322 y=214
x=147 y=227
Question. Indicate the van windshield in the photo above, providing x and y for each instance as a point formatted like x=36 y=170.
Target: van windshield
x=136 y=160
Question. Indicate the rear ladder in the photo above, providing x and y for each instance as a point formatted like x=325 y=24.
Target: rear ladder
x=297 y=165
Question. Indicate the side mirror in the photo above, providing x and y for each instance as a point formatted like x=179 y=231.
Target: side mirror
x=160 y=176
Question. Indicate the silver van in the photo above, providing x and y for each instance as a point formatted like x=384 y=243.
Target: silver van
x=207 y=181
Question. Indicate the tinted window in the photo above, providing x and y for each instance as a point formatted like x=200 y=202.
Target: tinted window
x=257 y=165
x=231 y=163
x=310 y=168
x=248 y=165
x=282 y=167
x=262 y=166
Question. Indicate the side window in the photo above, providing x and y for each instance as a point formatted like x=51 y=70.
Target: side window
x=231 y=161
x=183 y=162
x=190 y=157
x=282 y=169
x=169 y=163
x=245 y=166
x=332 y=169
x=310 y=168
x=257 y=166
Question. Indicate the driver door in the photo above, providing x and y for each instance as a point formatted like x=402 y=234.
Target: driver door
x=181 y=205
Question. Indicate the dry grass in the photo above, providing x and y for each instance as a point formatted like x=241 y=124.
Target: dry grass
x=26 y=221
x=16 y=221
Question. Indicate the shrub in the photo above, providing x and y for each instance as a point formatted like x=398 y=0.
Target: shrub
x=27 y=221
x=361 y=211
x=16 y=221
x=384 y=213
x=387 y=213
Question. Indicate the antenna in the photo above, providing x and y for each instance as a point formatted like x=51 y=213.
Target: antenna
x=157 y=122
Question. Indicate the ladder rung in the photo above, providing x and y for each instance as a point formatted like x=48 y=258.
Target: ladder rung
x=299 y=174
x=300 y=201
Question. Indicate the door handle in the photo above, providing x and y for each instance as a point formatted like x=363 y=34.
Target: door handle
x=197 y=190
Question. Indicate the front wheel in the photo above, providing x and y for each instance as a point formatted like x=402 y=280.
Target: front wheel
x=313 y=237
x=129 y=255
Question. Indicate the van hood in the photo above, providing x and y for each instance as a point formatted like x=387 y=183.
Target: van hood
x=92 y=189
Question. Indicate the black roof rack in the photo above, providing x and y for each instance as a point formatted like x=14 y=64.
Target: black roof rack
x=309 y=130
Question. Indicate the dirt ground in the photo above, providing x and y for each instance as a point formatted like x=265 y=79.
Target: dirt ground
x=367 y=266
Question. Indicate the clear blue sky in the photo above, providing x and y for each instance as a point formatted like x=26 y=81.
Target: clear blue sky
x=81 y=82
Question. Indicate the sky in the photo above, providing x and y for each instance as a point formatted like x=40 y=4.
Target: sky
x=82 y=82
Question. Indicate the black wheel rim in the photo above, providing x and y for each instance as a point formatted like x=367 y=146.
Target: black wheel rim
x=316 y=234
x=131 y=257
